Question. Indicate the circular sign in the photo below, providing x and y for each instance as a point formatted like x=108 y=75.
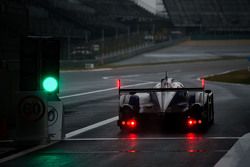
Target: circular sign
x=52 y=115
x=32 y=108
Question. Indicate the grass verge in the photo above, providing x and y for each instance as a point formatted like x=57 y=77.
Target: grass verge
x=240 y=76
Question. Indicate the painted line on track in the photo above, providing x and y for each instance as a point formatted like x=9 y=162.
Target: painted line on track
x=104 y=90
x=84 y=70
x=68 y=135
x=91 y=127
x=142 y=151
x=153 y=138
x=141 y=74
x=123 y=76
x=214 y=74
x=25 y=152
x=221 y=73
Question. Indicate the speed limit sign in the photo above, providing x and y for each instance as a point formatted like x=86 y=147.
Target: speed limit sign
x=31 y=116
x=32 y=108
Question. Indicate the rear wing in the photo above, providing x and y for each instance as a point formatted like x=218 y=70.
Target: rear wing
x=145 y=90
x=150 y=90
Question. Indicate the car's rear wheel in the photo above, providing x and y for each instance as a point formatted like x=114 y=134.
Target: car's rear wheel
x=212 y=121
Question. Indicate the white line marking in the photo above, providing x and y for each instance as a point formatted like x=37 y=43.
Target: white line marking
x=219 y=73
x=68 y=135
x=137 y=80
x=141 y=151
x=153 y=138
x=88 y=128
x=238 y=155
x=123 y=76
x=138 y=75
x=105 y=77
x=104 y=90
x=85 y=70
x=22 y=153
x=101 y=69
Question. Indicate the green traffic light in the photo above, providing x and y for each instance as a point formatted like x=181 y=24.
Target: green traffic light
x=50 y=84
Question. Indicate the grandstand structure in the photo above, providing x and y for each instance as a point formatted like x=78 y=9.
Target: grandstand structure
x=92 y=17
x=75 y=23
x=114 y=16
x=210 y=15
x=81 y=17
x=81 y=14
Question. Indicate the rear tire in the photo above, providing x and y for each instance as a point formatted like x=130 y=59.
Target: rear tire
x=212 y=112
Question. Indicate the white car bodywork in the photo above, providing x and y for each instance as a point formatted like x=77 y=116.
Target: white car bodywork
x=146 y=102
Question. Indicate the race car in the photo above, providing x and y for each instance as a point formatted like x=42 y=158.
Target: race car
x=194 y=106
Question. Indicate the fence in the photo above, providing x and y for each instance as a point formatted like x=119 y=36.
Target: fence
x=107 y=50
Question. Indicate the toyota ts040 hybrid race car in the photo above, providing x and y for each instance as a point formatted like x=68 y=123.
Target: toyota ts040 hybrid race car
x=169 y=97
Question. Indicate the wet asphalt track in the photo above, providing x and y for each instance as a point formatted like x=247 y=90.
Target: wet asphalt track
x=107 y=146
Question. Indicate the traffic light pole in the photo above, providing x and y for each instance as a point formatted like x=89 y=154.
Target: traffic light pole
x=39 y=110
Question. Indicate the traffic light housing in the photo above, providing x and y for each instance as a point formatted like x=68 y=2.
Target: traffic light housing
x=39 y=64
x=49 y=78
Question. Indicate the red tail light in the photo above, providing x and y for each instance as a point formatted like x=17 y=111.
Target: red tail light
x=190 y=122
x=193 y=122
x=130 y=123
x=203 y=83
x=118 y=83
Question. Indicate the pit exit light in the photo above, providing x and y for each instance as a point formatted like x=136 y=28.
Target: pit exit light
x=50 y=84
